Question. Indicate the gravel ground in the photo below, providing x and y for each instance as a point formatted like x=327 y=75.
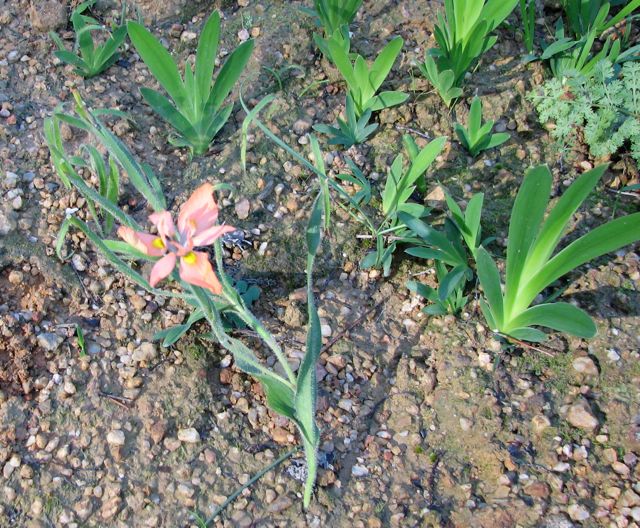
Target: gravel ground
x=426 y=421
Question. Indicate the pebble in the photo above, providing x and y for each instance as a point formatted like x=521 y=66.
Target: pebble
x=585 y=365
x=280 y=504
x=242 y=209
x=189 y=436
x=116 y=437
x=580 y=415
x=359 y=471
x=145 y=352
x=49 y=341
x=301 y=127
x=578 y=512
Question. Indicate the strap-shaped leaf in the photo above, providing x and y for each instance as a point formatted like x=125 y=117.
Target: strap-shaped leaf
x=385 y=100
x=489 y=277
x=167 y=111
x=384 y=62
x=451 y=281
x=556 y=222
x=526 y=216
x=602 y=240
x=159 y=62
x=560 y=316
x=229 y=74
x=206 y=56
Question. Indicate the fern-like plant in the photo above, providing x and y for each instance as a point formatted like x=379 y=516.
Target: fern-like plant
x=605 y=106
x=351 y=131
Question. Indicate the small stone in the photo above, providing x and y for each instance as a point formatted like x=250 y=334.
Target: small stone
x=158 y=430
x=578 y=512
x=116 y=438
x=502 y=492
x=540 y=422
x=280 y=435
x=189 y=436
x=110 y=508
x=16 y=203
x=301 y=127
x=48 y=15
x=436 y=195
x=83 y=509
x=145 y=352
x=243 y=35
x=188 y=36
x=325 y=330
x=537 y=489
x=580 y=415
x=359 y=471
x=78 y=262
x=621 y=469
x=49 y=341
x=69 y=388
x=242 y=209
x=280 y=504
x=585 y=365
x=466 y=424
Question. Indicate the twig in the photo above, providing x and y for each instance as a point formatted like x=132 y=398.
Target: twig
x=348 y=328
x=528 y=346
x=624 y=193
x=120 y=400
x=252 y=480
x=409 y=129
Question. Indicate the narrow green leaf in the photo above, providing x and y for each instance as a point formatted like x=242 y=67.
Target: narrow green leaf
x=563 y=317
x=490 y=280
x=229 y=74
x=206 y=56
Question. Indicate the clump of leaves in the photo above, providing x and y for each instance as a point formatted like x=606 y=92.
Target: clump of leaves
x=402 y=182
x=196 y=108
x=352 y=131
x=88 y=58
x=334 y=14
x=583 y=17
x=446 y=247
x=477 y=136
x=531 y=265
x=364 y=80
x=463 y=34
x=604 y=105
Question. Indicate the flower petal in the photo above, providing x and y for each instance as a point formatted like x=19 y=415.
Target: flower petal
x=162 y=269
x=198 y=213
x=164 y=223
x=196 y=269
x=150 y=245
x=207 y=236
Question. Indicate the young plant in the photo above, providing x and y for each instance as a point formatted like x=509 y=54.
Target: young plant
x=364 y=81
x=478 y=137
x=88 y=58
x=446 y=248
x=531 y=265
x=463 y=34
x=401 y=183
x=585 y=16
x=174 y=252
x=603 y=106
x=352 y=131
x=196 y=108
x=528 y=16
x=334 y=14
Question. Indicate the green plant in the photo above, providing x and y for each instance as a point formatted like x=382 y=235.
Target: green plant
x=364 y=81
x=478 y=137
x=528 y=16
x=447 y=249
x=400 y=185
x=205 y=288
x=196 y=108
x=585 y=16
x=531 y=266
x=334 y=14
x=463 y=34
x=89 y=58
x=349 y=132
x=568 y=57
x=604 y=105
x=80 y=340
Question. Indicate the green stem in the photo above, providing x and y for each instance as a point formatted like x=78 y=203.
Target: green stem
x=251 y=481
x=311 y=454
x=238 y=305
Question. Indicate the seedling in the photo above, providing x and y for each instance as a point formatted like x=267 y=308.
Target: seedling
x=530 y=266
x=349 y=132
x=195 y=109
x=463 y=34
x=478 y=137
x=89 y=58
x=364 y=81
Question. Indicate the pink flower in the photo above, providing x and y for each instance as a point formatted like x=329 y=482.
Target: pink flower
x=196 y=227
